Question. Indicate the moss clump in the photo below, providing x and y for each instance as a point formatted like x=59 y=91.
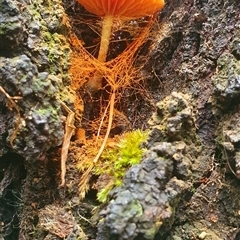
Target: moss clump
x=116 y=159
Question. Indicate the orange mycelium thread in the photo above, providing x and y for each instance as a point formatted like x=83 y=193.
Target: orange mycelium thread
x=110 y=9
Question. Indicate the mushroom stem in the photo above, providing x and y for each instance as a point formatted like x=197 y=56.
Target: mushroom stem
x=95 y=83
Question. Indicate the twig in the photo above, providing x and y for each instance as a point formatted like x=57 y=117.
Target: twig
x=102 y=120
x=69 y=131
x=11 y=106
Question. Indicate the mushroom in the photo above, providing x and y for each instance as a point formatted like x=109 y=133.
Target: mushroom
x=110 y=9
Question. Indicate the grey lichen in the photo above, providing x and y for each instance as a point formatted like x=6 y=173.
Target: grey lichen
x=173 y=120
x=34 y=61
x=229 y=141
x=146 y=202
x=40 y=127
x=226 y=81
x=12 y=32
x=36 y=71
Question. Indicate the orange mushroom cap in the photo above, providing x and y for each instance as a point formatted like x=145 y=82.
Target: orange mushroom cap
x=124 y=8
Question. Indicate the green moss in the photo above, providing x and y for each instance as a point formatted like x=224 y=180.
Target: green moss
x=116 y=160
